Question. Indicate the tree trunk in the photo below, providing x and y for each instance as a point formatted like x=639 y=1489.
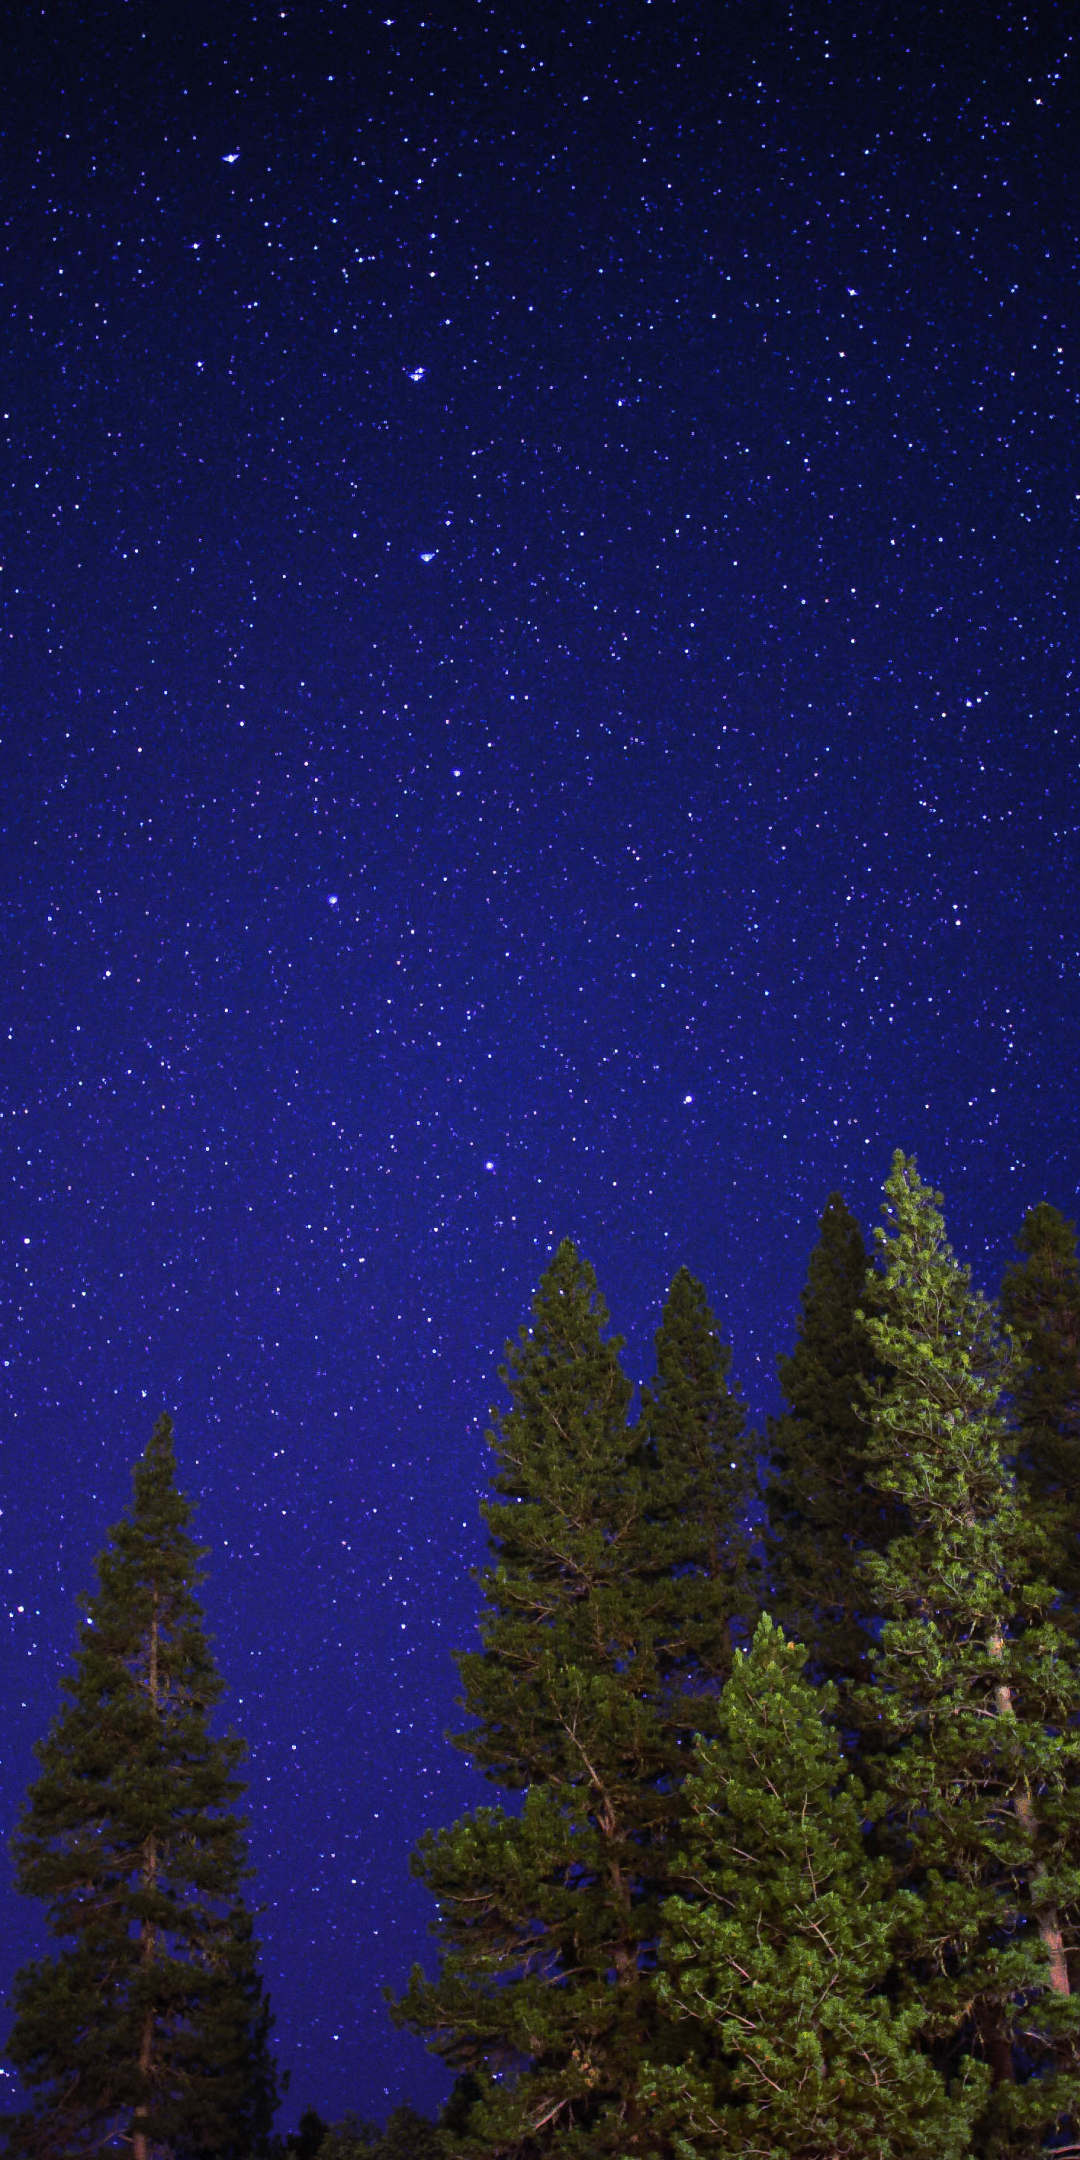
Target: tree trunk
x=140 y=2143
x=1046 y=1915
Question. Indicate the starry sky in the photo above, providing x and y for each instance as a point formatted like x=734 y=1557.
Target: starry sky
x=537 y=699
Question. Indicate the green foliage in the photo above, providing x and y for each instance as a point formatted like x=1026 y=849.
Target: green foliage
x=150 y=2028
x=821 y=1512
x=561 y=1530
x=406 y=2136
x=777 y=1961
x=695 y=1541
x=1040 y=1301
x=304 y=2142
x=976 y=1691
x=605 y=1634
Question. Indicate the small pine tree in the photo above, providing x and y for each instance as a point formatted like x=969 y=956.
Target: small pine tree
x=778 y=1959
x=821 y=1512
x=975 y=1695
x=1040 y=1302
x=405 y=2136
x=304 y=2142
x=149 y=2030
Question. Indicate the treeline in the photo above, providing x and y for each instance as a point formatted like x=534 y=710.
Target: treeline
x=793 y=1866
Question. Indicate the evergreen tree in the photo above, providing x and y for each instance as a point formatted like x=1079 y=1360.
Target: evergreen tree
x=1040 y=1300
x=976 y=1693
x=548 y=1919
x=304 y=2142
x=778 y=1960
x=406 y=2136
x=149 y=2029
x=699 y=1483
x=821 y=1512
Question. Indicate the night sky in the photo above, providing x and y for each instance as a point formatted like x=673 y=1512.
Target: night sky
x=538 y=699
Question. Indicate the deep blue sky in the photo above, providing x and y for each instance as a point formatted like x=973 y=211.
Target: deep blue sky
x=538 y=698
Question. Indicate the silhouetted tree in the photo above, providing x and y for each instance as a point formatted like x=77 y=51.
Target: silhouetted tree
x=822 y=1513
x=696 y=1541
x=405 y=2136
x=148 y=2031
x=1040 y=1299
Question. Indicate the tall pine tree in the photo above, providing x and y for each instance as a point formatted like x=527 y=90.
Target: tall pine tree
x=777 y=1958
x=148 y=2031
x=548 y=1919
x=821 y=1512
x=1040 y=1300
x=975 y=1694
x=697 y=1541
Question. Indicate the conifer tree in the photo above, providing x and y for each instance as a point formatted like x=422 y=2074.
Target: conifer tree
x=148 y=2031
x=406 y=2136
x=1040 y=1301
x=700 y=1480
x=777 y=1959
x=548 y=1919
x=975 y=1695
x=821 y=1512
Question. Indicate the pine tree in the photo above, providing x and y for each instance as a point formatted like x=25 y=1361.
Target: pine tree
x=778 y=1959
x=821 y=1512
x=149 y=2029
x=548 y=1919
x=700 y=1480
x=406 y=2136
x=975 y=1693
x=1040 y=1300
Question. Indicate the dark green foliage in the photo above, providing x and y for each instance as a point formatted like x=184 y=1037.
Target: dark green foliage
x=596 y=1657
x=302 y=2143
x=821 y=1512
x=699 y=1483
x=149 y=2029
x=778 y=1959
x=455 y=2117
x=562 y=1530
x=976 y=1693
x=406 y=2136
x=1040 y=1300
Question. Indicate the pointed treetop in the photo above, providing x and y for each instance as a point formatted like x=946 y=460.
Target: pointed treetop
x=914 y=1223
x=152 y=1555
x=568 y=1392
x=567 y=1301
x=821 y=1512
x=692 y=1361
x=817 y=1378
x=697 y=1463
